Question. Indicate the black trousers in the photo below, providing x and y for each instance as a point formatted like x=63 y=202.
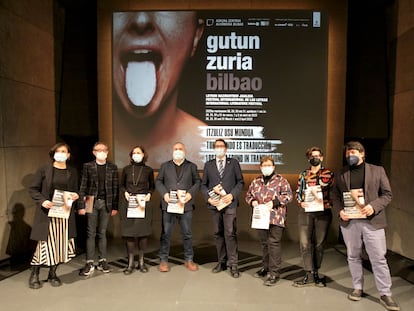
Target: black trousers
x=313 y=231
x=271 y=242
x=225 y=236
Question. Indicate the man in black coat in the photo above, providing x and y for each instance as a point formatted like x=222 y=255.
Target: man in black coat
x=177 y=176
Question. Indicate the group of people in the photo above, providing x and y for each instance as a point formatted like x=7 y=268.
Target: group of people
x=178 y=183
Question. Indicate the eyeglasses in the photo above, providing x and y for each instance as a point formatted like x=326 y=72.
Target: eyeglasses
x=100 y=150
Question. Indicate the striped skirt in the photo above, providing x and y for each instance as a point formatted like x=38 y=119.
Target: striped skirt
x=58 y=248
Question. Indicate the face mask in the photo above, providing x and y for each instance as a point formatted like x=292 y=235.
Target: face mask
x=267 y=170
x=219 y=152
x=352 y=160
x=315 y=161
x=178 y=155
x=101 y=156
x=60 y=157
x=137 y=157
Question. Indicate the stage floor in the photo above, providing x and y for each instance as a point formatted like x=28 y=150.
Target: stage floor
x=183 y=290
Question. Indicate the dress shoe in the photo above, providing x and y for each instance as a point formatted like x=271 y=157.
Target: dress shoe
x=164 y=266
x=389 y=303
x=219 y=267
x=261 y=273
x=234 y=272
x=308 y=280
x=271 y=280
x=128 y=270
x=142 y=267
x=355 y=295
x=190 y=265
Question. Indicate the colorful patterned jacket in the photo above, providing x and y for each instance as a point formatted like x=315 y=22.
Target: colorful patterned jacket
x=323 y=177
x=278 y=190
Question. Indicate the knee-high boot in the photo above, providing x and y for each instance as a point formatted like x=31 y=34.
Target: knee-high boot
x=130 y=267
x=34 y=278
x=52 y=277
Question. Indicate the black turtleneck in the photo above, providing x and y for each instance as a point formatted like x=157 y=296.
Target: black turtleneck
x=357 y=176
x=266 y=179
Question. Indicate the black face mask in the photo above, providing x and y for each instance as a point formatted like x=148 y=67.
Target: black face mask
x=352 y=160
x=315 y=161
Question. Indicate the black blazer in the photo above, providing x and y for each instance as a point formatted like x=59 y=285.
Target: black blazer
x=232 y=180
x=42 y=190
x=89 y=184
x=377 y=192
x=188 y=180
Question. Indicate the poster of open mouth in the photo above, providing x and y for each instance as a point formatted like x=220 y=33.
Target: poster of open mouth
x=257 y=79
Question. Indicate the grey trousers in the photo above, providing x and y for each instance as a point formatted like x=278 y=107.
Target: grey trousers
x=356 y=233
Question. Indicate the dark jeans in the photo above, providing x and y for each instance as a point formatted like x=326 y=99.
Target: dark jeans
x=168 y=221
x=313 y=231
x=225 y=236
x=271 y=242
x=97 y=224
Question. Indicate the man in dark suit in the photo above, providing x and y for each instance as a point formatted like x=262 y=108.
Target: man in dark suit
x=100 y=181
x=221 y=185
x=366 y=222
x=177 y=176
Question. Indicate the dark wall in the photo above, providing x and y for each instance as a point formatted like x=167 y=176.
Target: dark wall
x=368 y=114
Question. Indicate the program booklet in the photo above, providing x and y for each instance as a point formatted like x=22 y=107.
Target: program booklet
x=177 y=201
x=88 y=200
x=261 y=217
x=62 y=203
x=136 y=206
x=216 y=194
x=354 y=201
x=314 y=198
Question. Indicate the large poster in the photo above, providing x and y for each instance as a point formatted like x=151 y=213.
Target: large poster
x=257 y=79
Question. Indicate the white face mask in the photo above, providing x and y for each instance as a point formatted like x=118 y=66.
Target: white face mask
x=219 y=152
x=60 y=157
x=178 y=155
x=137 y=157
x=267 y=170
x=101 y=155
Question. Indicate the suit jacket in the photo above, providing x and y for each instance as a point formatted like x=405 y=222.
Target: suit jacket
x=41 y=190
x=89 y=184
x=377 y=192
x=232 y=181
x=188 y=180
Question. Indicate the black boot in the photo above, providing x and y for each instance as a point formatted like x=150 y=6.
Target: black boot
x=130 y=267
x=308 y=280
x=142 y=266
x=320 y=282
x=34 y=278
x=52 y=277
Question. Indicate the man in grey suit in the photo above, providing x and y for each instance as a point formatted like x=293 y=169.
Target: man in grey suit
x=367 y=228
x=221 y=185
x=177 y=176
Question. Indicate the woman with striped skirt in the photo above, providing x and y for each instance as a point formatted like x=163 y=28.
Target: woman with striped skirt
x=55 y=235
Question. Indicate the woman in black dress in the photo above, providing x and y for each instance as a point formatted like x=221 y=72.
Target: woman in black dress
x=55 y=235
x=137 y=180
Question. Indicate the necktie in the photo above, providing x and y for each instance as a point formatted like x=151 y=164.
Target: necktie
x=221 y=168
